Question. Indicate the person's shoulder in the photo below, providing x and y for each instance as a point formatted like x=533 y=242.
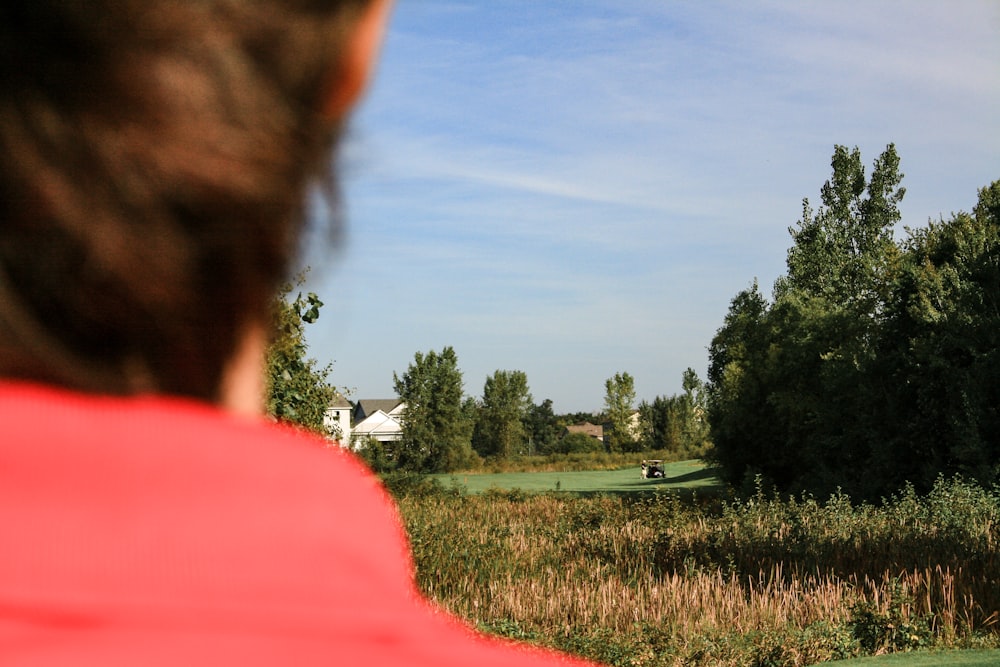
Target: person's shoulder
x=185 y=521
x=182 y=447
x=279 y=501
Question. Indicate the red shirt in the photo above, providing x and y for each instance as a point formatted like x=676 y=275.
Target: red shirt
x=157 y=531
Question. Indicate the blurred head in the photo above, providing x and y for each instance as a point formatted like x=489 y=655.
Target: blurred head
x=156 y=156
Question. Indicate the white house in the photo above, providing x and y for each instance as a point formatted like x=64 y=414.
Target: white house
x=380 y=419
x=337 y=419
x=379 y=426
x=366 y=407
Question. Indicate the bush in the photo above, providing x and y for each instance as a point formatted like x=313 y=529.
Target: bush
x=579 y=443
x=895 y=628
x=376 y=455
x=406 y=484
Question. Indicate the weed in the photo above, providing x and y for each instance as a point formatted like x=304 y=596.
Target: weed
x=769 y=581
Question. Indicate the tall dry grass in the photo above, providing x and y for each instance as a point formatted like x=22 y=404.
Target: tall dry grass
x=765 y=581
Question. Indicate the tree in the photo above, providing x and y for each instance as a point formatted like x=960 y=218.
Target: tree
x=298 y=390
x=677 y=423
x=543 y=428
x=693 y=414
x=569 y=418
x=500 y=428
x=876 y=363
x=618 y=401
x=578 y=443
x=942 y=346
x=738 y=387
x=787 y=379
x=656 y=425
x=846 y=250
x=435 y=434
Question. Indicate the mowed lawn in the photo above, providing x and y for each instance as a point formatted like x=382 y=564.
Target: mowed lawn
x=926 y=659
x=680 y=475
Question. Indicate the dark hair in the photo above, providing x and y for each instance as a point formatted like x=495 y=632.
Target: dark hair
x=156 y=157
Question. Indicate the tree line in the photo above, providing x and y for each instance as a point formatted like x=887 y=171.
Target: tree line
x=445 y=430
x=875 y=361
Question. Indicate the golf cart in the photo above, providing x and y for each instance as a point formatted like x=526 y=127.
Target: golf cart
x=652 y=469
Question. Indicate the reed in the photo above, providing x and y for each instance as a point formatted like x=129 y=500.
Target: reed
x=666 y=581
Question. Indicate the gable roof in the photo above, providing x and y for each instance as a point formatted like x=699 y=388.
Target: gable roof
x=339 y=401
x=369 y=406
x=378 y=424
x=593 y=430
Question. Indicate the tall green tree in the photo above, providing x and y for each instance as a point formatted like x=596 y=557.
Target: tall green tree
x=787 y=400
x=942 y=346
x=435 y=433
x=738 y=375
x=298 y=389
x=543 y=428
x=619 y=400
x=845 y=251
x=678 y=423
x=876 y=364
x=500 y=429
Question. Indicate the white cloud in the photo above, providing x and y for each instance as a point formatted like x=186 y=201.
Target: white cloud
x=579 y=188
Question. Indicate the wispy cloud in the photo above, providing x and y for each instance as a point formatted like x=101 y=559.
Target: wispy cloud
x=574 y=189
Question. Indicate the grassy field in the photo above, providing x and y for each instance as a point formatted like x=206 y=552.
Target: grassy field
x=678 y=475
x=652 y=579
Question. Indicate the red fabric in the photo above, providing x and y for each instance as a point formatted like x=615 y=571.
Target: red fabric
x=155 y=531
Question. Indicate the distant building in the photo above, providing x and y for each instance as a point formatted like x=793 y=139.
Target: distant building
x=592 y=430
x=337 y=420
x=366 y=407
x=634 y=425
x=380 y=419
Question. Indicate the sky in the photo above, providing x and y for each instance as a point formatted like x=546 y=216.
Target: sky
x=578 y=188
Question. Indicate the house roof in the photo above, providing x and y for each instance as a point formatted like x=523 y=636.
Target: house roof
x=593 y=430
x=369 y=406
x=339 y=401
x=379 y=421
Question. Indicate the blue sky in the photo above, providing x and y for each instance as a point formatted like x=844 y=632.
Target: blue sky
x=575 y=188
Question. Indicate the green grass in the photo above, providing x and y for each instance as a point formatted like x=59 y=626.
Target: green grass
x=926 y=659
x=679 y=475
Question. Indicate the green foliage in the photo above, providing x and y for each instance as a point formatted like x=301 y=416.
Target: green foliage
x=679 y=423
x=738 y=372
x=876 y=363
x=542 y=427
x=568 y=418
x=435 y=428
x=506 y=404
x=379 y=456
x=298 y=390
x=578 y=443
x=406 y=484
x=944 y=344
x=509 y=628
x=892 y=629
x=844 y=253
x=618 y=402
